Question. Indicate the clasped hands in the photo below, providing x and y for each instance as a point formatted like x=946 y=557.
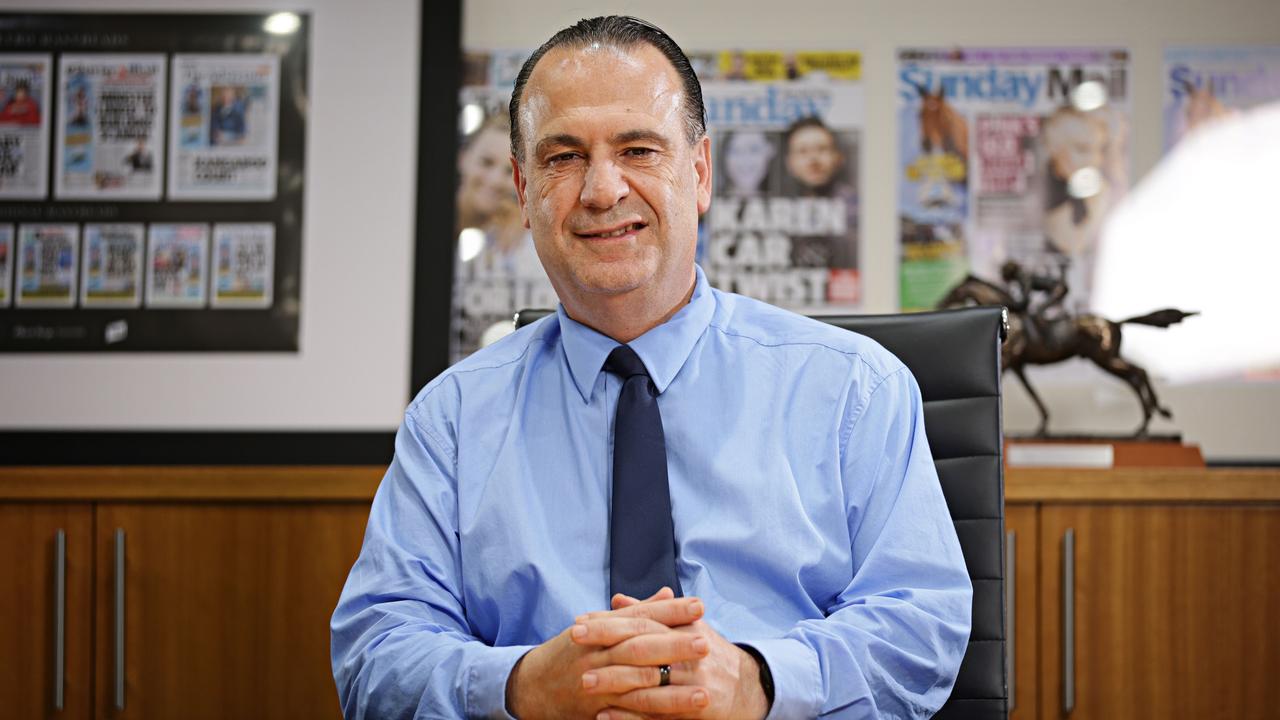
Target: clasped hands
x=606 y=666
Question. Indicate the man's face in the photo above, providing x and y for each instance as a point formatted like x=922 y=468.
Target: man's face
x=608 y=181
x=1080 y=144
x=812 y=156
x=746 y=159
x=486 y=173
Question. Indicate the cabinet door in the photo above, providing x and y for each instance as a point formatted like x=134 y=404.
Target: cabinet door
x=226 y=608
x=1022 y=543
x=37 y=656
x=1174 y=611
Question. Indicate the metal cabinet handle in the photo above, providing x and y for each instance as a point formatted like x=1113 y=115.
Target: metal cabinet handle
x=119 y=624
x=59 y=617
x=1010 y=603
x=1069 y=621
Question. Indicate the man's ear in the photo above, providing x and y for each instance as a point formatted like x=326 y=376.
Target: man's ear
x=521 y=183
x=702 y=166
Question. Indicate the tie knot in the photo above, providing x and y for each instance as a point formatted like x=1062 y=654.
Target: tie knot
x=625 y=363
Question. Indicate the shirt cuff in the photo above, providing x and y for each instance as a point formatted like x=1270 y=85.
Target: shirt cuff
x=487 y=681
x=797 y=679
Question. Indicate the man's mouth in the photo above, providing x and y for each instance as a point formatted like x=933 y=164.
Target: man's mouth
x=619 y=232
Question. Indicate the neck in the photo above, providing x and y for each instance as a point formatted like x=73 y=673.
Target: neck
x=625 y=317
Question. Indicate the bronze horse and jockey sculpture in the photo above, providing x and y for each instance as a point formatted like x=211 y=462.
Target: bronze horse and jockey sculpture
x=1047 y=334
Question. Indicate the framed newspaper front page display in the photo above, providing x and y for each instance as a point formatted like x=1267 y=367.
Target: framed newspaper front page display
x=151 y=182
x=1007 y=154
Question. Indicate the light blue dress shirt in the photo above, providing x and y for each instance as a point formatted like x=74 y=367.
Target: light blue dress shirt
x=808 y=516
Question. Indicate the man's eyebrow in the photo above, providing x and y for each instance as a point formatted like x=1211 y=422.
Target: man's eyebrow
x=561 y=140
x=631 y=136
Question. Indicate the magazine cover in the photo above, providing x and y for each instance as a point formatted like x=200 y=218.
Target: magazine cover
x=24 y=125
x=112 y=261
x=224 y=111
x=177 y=265
x=1205 y=83
x=1007 y=155
x=46 y=265
x=243 y=256
x=6 y=264
x=785 y=134
x=496 y=267
x=110 y=141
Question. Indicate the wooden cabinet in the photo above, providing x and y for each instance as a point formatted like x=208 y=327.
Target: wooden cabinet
x=1021 y=544
x=45 y=658
x=227 y=603
x=1152 y=593
x=1171 y=610
x=229 y=578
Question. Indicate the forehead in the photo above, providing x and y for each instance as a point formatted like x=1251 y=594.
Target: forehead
x=571 y=85
x=812 y=134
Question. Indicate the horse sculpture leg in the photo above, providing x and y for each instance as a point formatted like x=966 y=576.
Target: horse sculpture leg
x=1137 y=379
x=1043 y=429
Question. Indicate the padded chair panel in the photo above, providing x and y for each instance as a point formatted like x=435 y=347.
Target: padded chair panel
x=961 y=427
x=947 y=351
x=966 y=483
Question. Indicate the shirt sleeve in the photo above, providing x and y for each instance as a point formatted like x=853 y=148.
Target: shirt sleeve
x=892 y=642
x=401 y=644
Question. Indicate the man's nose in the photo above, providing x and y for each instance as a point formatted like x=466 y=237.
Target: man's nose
x=603 y=186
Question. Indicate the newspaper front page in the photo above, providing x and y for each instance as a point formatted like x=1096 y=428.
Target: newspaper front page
x=224 y=111
x=47 y=265
x=786 y=130
x=110 y=141
x=1203 y=84
x=244 y=265
x=112 y=261
x=6 y=264
x=177 y=265
x=24 y=125
x=1007 y=154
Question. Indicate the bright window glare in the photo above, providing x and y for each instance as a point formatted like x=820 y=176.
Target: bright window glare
x=1089 y=95
x=472 y=117
x=1085 y=183
x=470 y=243
x=282 y=23
x=1199 y=234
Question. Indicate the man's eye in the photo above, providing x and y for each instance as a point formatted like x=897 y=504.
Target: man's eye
x=639 y=151
x=562 y=158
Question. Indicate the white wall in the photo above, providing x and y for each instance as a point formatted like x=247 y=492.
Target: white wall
x=1233 y=420
x=352 y=369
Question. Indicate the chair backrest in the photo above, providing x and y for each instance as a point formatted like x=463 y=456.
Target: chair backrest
x=955 y=358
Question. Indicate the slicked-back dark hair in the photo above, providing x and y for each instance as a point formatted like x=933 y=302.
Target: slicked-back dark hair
x=619 y=31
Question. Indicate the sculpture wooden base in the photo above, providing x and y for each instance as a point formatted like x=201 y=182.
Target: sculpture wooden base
x=1094 y=451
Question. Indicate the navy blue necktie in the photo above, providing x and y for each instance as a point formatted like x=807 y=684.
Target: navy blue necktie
x=642 y=546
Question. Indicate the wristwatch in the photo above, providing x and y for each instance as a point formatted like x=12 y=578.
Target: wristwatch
x=766 y=677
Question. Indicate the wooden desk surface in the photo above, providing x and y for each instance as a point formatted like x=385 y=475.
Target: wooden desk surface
x=359 y=482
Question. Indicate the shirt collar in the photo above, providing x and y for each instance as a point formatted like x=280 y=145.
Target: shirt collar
x=663 y=349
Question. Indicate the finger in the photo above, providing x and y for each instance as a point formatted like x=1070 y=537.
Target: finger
x=671 y=612
x=620 y=600
x=670 y=700
x=609 y=631
x=656 y=649
x=619 y=714
x=618 y=679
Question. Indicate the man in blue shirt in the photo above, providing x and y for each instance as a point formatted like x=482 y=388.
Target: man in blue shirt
x=820 y=571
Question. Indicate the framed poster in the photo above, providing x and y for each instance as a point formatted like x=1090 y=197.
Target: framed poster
x=133 y=149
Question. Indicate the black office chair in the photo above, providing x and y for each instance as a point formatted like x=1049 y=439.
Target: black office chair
x=955 y=357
